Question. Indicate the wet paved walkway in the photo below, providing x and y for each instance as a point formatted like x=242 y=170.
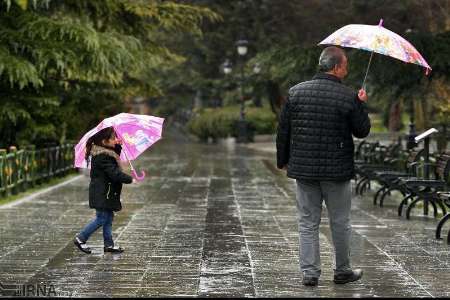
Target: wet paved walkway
x=211 y=221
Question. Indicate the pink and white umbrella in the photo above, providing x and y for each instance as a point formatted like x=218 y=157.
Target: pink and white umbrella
x=137 y=132
x=376 y=39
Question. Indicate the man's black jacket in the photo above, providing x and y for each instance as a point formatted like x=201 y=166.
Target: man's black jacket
x=316 y=125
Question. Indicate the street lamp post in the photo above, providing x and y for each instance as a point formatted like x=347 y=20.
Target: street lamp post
x=243 y=130
x=242 y=137
x=256 y=94
x=227 y=67
x=256 y=68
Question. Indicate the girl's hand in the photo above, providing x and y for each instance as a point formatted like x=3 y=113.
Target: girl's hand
x=134 y=181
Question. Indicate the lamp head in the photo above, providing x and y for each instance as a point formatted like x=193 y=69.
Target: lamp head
x=242 y=47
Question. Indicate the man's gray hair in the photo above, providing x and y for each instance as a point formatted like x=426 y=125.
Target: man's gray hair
x=330 y=57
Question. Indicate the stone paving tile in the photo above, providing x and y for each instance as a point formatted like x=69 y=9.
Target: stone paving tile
x=213 y=221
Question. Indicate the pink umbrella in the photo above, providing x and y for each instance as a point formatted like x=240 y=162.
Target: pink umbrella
x=376 y=39
x=137 y=132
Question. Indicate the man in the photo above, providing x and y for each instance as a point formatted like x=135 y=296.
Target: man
x=315 y=145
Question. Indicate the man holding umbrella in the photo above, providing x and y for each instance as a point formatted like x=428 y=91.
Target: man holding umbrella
x=315 y=146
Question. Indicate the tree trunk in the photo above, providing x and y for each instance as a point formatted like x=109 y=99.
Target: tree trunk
x=419 y=115
x=62 y=139
x=276 y=99
x=395 y=117
x=198 y=99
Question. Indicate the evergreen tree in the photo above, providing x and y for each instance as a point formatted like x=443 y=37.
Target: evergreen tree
x=58 y=56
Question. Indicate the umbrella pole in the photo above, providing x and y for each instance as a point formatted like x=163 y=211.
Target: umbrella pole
x=131 y=166
x=367 y=71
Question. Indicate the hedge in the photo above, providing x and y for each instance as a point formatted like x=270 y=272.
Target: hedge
x=222 y=122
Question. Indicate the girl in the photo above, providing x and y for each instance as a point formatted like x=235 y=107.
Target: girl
x=103 y=149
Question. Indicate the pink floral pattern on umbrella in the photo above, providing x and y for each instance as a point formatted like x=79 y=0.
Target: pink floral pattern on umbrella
x=137 y=132
x=378 y=39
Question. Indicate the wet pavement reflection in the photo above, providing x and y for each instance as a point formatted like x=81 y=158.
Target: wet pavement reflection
x=211 y=221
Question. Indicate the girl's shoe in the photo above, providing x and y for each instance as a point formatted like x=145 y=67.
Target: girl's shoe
x=81 y=245
x=114 y=249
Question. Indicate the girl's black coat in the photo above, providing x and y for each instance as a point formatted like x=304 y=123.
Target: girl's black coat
x=106 y=183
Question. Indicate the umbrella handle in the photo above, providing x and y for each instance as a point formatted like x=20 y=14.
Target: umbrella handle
x=133 y=171
x=138 y=177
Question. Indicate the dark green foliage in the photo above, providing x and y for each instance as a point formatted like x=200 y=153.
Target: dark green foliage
x=283 y=37
x=222 y=122
x=65 y=65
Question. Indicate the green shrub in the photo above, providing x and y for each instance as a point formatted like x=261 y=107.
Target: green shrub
x=222 y=122
x=262 y=120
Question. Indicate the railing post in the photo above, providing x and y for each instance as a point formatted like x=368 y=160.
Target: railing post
x=14 y=169
x=53 y=166
x=59 y=158
x=3 y=182
x=31 y=165
x=21 y=169
x=40 y=166
x=21 y=166
x=48 y=163
x=71 y=152
x=66 y=158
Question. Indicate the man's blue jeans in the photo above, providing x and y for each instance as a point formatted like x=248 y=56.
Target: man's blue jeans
x=103 y=218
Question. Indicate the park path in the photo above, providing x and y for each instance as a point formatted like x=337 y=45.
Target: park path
x=211 y=220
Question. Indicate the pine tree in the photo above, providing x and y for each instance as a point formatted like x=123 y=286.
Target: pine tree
x=55 y=53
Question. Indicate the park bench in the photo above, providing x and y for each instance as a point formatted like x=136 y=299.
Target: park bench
x=427 y=190
x=382 y=158
x=365 y=155
x=445 y=197
x=390 y=180
x=360 y=149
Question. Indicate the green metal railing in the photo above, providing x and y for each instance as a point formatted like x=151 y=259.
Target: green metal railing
x=25 y=168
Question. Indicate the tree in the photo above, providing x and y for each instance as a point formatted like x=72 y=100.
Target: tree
x=284 y=34
x=56 y=54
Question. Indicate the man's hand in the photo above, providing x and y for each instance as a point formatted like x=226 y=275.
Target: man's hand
x=285 y=167
x=362 y=95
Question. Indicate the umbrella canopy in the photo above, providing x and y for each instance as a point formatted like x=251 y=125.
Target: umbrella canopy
x=137 y=132
x=376 y=38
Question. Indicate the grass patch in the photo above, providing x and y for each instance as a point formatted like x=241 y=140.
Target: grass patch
x=377 y=124
x=378 y=127
x=37 y=188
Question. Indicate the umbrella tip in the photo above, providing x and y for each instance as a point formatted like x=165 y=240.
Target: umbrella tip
x=381 y=22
